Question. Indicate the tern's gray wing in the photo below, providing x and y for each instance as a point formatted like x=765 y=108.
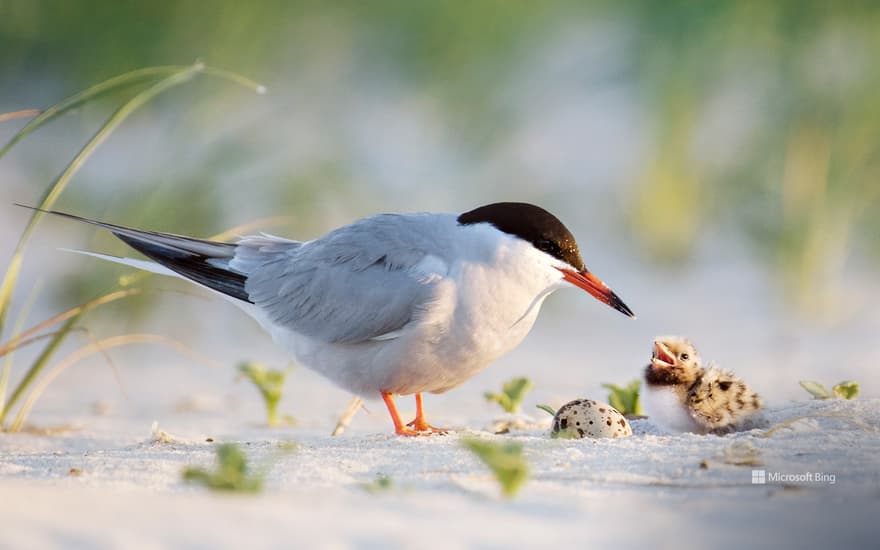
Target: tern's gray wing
x=359 y=282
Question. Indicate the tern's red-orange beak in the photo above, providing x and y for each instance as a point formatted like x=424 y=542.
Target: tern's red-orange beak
x=597 y=289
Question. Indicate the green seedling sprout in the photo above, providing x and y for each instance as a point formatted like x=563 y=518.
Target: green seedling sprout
x=547 y=409
x=815 y=389
x=381 y=484
x=843 y=390
x=270 y=384
x=512 y=393
x=505 y=460
x=231 y=473
x=846 y=389
x=625 y=398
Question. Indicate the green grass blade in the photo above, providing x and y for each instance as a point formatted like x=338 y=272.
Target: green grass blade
x=235 y=77
x=57 y=187
x=177 y=75
x=16 y=332
x=19 y=340
x=70 y=316
x=119 y=82
x=38 y=365
x=80 y=354
x=24 y=342
x=170 y=76
x=93 y=92
x=24 y=113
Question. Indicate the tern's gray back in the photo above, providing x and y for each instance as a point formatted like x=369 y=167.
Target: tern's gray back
x=357 y=282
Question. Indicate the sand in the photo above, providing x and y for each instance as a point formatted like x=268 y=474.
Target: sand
x=113 y=482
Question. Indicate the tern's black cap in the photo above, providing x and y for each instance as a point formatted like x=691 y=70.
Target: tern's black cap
x=532 y=224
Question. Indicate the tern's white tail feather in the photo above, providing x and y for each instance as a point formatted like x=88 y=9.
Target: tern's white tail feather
x=152 y=267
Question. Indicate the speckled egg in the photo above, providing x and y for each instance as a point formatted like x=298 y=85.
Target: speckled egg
x=588 y=418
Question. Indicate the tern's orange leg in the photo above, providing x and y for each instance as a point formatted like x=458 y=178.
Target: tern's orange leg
x=420 y=424
x=399 y=428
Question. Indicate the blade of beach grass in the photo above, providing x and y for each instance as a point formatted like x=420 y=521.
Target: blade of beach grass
x=119 y=82
x=70 y=317
x=24 y=113
x=175 y=75
x=39 y=337
x=93 y=92
x=37 y=366
x=345 y=419
x=255 y=86
x=109 y=361
x=75 y=311
x=57 y=187
x=91 y=349
x=16 y=331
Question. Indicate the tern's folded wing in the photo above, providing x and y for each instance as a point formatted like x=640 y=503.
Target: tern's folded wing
x=358 y=283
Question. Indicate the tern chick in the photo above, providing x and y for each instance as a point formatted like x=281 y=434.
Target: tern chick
x=680 y=395
x=721 y=403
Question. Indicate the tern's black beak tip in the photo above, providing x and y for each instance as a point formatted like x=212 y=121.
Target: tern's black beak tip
x=618 y=304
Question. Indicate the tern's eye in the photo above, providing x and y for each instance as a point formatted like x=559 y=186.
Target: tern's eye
x=546 y=245
x=684 y=356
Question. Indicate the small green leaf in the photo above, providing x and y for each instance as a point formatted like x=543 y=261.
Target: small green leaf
x=846 y=389
x=270 y=384
x=505 y=460
x=547 y=409
x=499 y=398
x=381 y=484
x=625 y=399
x=231 y=472
x=815 y=389
x=614 y=398
x=512 y=393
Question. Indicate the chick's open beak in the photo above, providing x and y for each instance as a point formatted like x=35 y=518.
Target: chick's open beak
x=597 y=289
x=662 y=356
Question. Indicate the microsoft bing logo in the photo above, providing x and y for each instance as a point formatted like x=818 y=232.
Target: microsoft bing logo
x=759 y=477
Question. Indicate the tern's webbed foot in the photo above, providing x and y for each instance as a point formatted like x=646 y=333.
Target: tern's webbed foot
x=421 y=427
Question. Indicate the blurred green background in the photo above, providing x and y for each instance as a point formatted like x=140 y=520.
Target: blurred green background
x=748 y=128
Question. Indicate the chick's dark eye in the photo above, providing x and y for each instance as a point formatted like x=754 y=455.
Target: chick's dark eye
x=684 y=356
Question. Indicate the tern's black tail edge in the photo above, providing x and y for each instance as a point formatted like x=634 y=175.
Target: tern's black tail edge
x=193 y=266
x=199 y=260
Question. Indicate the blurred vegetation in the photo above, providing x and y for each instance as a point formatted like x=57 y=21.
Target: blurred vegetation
x=505 y=460
x=270 y=384
x=230 y=474
x=512 y=393
x=625 y=398
x=34 y=381
x=842 y=390
x=762 y=118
